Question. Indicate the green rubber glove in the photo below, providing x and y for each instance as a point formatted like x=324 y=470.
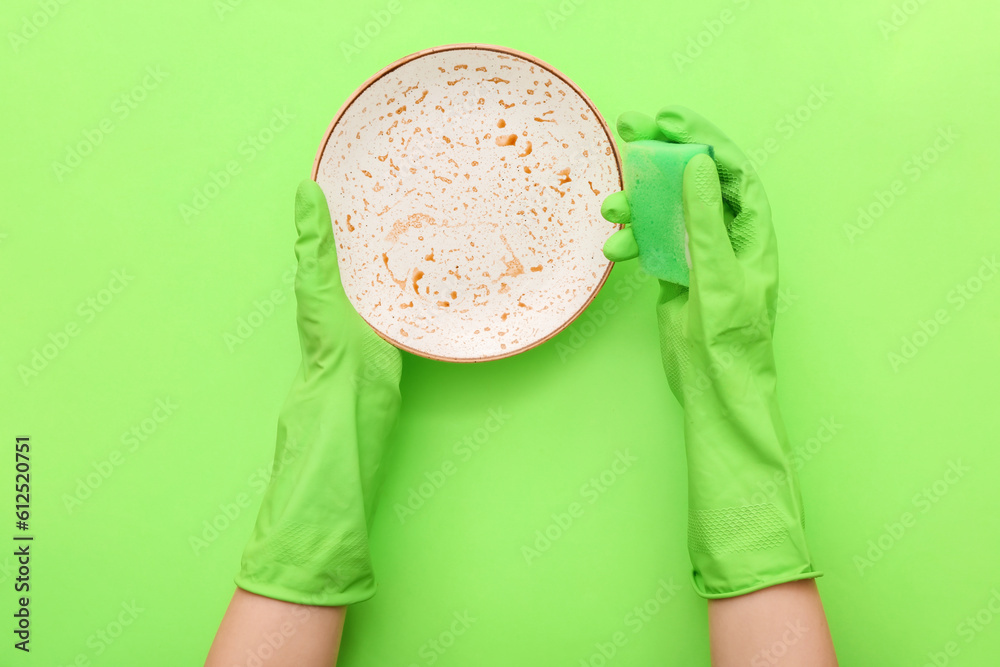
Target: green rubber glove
x=715 y=342
x=310 y=542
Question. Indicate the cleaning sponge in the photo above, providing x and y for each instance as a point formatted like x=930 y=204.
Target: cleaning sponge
x=653 y=172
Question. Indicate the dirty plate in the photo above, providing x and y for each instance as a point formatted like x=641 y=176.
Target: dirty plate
x=465 y=184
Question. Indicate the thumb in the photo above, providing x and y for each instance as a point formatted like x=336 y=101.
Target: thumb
x=319 y=295
x=315 y=248
x=713 y=263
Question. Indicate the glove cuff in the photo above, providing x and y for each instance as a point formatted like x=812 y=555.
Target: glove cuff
x=738 y=550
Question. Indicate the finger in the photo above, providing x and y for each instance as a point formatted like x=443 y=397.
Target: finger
x=318 y=291
x=315 y=243
x=671 y=318
x=713 y=263
x=670 y=291
x=621 y=246
x=741 y=188
x=615 y=208
x=633 y=126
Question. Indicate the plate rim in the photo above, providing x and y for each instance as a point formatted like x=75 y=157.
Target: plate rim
x=519 y=54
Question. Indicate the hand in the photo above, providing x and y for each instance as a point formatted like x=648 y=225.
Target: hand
x=734 y=294
x=716 y=348
x=310 y=542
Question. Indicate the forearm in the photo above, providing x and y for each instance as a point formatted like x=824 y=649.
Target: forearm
x=782 y=624
x=258 y=630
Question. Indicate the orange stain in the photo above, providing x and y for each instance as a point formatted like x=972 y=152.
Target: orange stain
x=414 y=220
x=514 y=266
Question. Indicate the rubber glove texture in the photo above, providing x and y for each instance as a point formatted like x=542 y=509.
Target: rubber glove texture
x=745 y=515
x=310 y=541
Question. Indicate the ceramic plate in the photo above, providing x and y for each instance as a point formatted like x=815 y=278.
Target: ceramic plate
x=465 y=185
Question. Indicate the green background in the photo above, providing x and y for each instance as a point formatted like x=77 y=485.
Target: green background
x=570 y=405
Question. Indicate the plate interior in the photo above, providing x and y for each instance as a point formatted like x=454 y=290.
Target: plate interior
x=465 y=188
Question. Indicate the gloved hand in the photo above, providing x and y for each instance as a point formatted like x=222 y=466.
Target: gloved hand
x=715 y=343
x=310 y=542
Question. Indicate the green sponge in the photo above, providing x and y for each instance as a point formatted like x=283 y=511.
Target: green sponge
x=653 y=172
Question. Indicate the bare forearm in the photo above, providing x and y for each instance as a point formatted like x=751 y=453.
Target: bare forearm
x=257 y=630
x=780 y=625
